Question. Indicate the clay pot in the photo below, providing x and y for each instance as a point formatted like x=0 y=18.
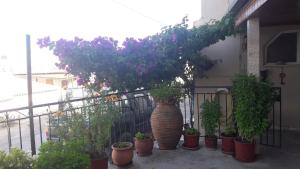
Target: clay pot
x=211 y=142
x=99 y=164
x=191 y=141
x=167 y=123
x=228 y=144
x=143 y=147
x=244 y=152
x=122 y=156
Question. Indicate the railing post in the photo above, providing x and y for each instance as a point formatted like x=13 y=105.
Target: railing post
x=8 y=131
x=29 y=87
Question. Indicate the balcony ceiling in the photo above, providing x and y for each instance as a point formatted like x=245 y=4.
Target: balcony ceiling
x=279 y=12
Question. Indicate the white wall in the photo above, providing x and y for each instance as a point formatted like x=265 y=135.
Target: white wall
x=212 y=9
x=228 y=53
x=291 y=90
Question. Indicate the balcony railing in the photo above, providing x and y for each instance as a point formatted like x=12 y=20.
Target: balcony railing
x=134 y=108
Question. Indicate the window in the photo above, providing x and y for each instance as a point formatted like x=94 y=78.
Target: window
x=283 y=49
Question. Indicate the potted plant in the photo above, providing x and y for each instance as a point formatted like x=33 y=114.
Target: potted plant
x=122 y=153
x=166 y=118
x=64 y=154
x=228 y=137
x=191 y=138
x=92 y=125
x=143 y=144
x=210 y=118
x=252 y=102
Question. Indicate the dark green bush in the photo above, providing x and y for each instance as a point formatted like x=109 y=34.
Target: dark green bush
x=253 y=100
x=210 y=117
x=62 y=155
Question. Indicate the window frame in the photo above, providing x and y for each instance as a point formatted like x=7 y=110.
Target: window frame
x=273 y=39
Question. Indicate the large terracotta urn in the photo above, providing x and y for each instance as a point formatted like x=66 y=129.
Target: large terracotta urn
x=167 y=123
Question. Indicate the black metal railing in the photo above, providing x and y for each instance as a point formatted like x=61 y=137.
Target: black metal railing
x=135 y=110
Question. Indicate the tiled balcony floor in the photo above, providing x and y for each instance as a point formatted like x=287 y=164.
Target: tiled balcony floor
x=270 y=158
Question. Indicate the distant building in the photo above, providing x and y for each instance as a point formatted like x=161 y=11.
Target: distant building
x=60 y=79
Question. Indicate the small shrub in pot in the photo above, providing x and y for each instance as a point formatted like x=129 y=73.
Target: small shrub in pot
x=253 y=100
x=191 y=138
x=92 y=125
x=122 y=153
x=210 y=119
x=228 y=137
x=143 y=144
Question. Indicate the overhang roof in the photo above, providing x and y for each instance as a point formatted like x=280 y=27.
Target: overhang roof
x=270 y=12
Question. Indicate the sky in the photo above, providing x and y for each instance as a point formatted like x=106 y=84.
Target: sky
x=86 y=19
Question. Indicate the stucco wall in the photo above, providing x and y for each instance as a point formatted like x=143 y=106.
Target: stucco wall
x=212 y=9
x=291 y=90
x=227 y=53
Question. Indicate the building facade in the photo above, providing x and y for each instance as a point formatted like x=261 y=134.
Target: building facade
x=268 y=47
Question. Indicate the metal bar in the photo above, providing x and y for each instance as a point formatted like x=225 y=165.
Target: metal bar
x=280 y=118
x=49 y=127
x=29 y=87
x=20 y=135
x=8 y=132
x=273 y=124
x=191 y=105
x=60 y=102
x=41 y=134
x=198 y=111
x=184 y=107
x=226 y=109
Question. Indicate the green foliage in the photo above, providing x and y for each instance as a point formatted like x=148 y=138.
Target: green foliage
x=58 y=155
x=253 y=100
x=167 y=93
x=93 y=125
x=229 y=131
x=210 y=116
x=122 y=145
x=140 y=136
x=163 y=57
x=16 y=159
x=191 y=131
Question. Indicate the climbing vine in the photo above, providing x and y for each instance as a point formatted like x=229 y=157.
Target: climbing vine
x=163 y=57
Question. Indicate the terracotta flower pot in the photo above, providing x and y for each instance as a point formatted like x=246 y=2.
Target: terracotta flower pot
x=99 y=164
x=244 y=152
x=167 y=123
x=211 y=142
x=122 y=156
x=228 y=144
x=143 y=147
x=191 y=141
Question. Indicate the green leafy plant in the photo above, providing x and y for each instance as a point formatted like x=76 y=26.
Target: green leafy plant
x=16 y=159
x=210 y=117
x=122 y=145
x=140 y=136
x=66 y=155
x=253 y=100
x=167 y=93
x=93 y=125
x=191 y=131
x=229 y=131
